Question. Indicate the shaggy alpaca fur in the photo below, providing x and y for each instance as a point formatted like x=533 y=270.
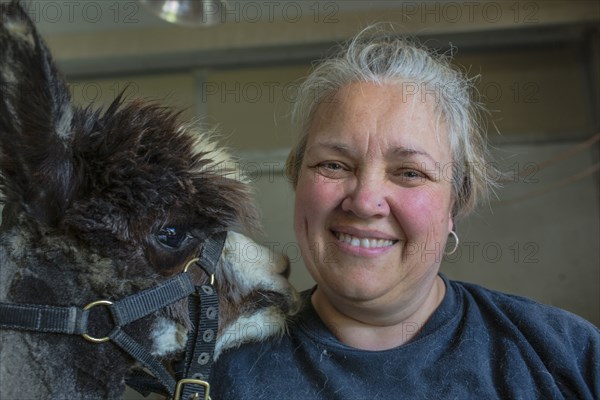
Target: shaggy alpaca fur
x=100 y=205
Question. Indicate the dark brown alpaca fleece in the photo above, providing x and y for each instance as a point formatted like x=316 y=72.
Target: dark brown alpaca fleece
x=100 y=204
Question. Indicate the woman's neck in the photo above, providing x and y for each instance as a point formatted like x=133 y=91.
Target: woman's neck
x=366 y=328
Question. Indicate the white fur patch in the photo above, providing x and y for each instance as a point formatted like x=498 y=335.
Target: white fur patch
x=8 y=75
x=22 y=31
x=256 y=327
x=167 y=337
x=14 y=249
x=252 y=266
x=221 y=162
x=63 y=125
x=10 y=79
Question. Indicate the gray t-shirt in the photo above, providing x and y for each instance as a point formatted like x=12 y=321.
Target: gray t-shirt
x=478 y=344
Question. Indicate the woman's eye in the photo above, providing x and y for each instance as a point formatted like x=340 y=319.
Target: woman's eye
x=332 y=166
x=171 y=237
x=411 y=175
x=331 y=169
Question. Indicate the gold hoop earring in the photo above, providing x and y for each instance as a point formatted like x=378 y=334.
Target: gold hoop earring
x=455 y=244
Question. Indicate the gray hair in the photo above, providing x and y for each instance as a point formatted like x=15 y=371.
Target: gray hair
x=379 y=56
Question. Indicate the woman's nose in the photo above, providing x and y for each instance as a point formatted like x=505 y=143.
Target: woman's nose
x=367 y=199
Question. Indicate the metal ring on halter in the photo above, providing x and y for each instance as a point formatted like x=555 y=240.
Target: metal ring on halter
x=455 y=244
x=192 y=261
x=91 y=305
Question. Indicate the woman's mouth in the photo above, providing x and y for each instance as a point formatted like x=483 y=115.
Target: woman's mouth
x=365 y=243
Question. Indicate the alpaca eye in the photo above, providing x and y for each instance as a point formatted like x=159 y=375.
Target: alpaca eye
x=171 y=237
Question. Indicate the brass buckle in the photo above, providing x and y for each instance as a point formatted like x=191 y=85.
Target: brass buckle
x=181 y=383
x=94 y=304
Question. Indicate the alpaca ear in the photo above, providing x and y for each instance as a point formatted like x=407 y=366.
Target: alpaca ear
x=35 y=121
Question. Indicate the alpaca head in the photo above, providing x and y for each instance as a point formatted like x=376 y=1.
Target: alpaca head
x=100 y=204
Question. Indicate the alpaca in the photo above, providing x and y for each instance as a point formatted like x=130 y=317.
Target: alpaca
x=99 y=205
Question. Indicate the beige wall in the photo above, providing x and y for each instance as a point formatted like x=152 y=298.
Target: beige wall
x=177 y=90
x=533 y=91
x=252 y=105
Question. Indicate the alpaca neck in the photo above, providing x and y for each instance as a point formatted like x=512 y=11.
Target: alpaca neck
x=33 y=367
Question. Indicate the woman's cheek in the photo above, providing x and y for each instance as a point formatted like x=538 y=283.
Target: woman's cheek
x=420 y=209
x=310 y=201
x=320 y=192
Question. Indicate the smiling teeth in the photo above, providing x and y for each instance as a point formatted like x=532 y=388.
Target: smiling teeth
x=365 y=243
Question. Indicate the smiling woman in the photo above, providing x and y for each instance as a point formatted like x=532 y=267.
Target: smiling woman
x=368 y=177
x=390 y=156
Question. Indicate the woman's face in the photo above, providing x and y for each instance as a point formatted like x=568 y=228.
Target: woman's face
x=373 y=199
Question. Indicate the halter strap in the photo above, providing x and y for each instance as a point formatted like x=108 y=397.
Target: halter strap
x=42 y=318
x=74 y=321
x=201 y=338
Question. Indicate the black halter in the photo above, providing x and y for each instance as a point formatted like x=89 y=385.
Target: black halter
x=203 y=307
